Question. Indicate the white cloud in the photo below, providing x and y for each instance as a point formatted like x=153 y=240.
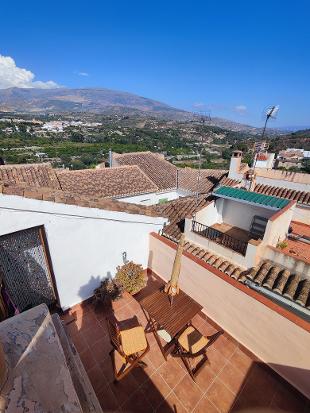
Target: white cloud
x=14 y=76
x=241 y=109
x=83 y=74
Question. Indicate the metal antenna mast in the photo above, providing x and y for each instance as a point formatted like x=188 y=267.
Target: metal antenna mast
x=203 y=119
x=270 y=113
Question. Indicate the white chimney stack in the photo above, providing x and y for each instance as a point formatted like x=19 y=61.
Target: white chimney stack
x=235 y=163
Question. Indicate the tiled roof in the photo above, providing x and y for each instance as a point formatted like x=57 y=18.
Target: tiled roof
x=217 y=262
x=301 y=197
x=262 y=157
x=107 y=182
x=34 y=175
x=176 y=211
x=64 y=197
x=209 y=178
x=230 y=182
x=267 y=275
x=160 y=171
x=281 y=281
x=248 y=196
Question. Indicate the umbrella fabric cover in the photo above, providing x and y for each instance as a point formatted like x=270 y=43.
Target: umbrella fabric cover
x=172 y=287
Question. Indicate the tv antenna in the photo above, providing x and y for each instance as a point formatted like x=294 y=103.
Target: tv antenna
x=270 y=112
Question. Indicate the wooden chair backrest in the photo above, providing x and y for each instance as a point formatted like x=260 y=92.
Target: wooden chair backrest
x=114 y=334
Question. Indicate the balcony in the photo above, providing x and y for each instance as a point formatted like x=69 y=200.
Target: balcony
x=223 y=237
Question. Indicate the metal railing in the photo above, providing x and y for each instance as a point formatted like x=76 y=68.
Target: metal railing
x=220 y=237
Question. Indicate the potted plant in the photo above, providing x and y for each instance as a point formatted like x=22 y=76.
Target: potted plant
x=131 y=277
x=109 y=290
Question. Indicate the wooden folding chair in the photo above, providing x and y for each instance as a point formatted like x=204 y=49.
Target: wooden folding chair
x=129 y=345
x=190 y=344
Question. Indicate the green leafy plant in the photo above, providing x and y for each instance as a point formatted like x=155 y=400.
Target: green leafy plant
x=109 y=290
x=131 y=277
x=282 y=245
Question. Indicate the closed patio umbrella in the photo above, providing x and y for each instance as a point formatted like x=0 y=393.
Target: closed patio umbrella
x=172 y=287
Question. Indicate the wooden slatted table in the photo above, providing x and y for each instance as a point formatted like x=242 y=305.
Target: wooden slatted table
x=173 y=318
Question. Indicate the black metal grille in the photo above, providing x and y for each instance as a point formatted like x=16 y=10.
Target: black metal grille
x=24 y=269
x=220 y=237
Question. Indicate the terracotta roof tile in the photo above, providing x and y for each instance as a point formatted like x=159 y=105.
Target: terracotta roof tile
x=301 y=197
x=34 y=175
x=107 y=182
x=281 y=281
x=176 y=211
x=63 y=197
x=209 y=178
x=230 y=182
x=160 y=171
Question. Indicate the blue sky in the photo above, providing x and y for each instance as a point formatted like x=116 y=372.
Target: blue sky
x=233 y=58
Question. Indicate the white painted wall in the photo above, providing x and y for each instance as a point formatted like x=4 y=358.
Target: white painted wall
x=240 y=215
x=277 y=229
x=83 y=250
x=210 y=215
x=294 y=264
x=154 y=197
x=302 y=214
x=268 y=163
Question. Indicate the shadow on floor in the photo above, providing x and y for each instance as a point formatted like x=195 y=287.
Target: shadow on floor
x=234 y=381
x=86 y=324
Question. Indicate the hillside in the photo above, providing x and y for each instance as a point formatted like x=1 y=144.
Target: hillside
x=81 y=100
x=106 y=102
x=298 y=139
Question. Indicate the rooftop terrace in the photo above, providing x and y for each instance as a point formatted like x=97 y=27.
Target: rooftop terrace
x=234 y=381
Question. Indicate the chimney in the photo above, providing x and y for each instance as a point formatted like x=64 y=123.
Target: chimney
x=110 y=158
x=234 y=166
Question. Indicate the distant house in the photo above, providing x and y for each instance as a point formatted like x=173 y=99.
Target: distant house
x=285 y=184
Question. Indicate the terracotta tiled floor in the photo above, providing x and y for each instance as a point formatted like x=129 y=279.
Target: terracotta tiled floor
x=296 y=247
x=232 y=231
x=233 y=381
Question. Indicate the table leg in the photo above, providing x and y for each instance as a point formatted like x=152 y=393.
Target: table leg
x=154 y=330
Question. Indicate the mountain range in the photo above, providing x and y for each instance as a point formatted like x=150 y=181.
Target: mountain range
x=101 y=101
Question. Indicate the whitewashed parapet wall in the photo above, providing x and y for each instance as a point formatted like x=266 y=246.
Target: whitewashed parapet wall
x=86 y=244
